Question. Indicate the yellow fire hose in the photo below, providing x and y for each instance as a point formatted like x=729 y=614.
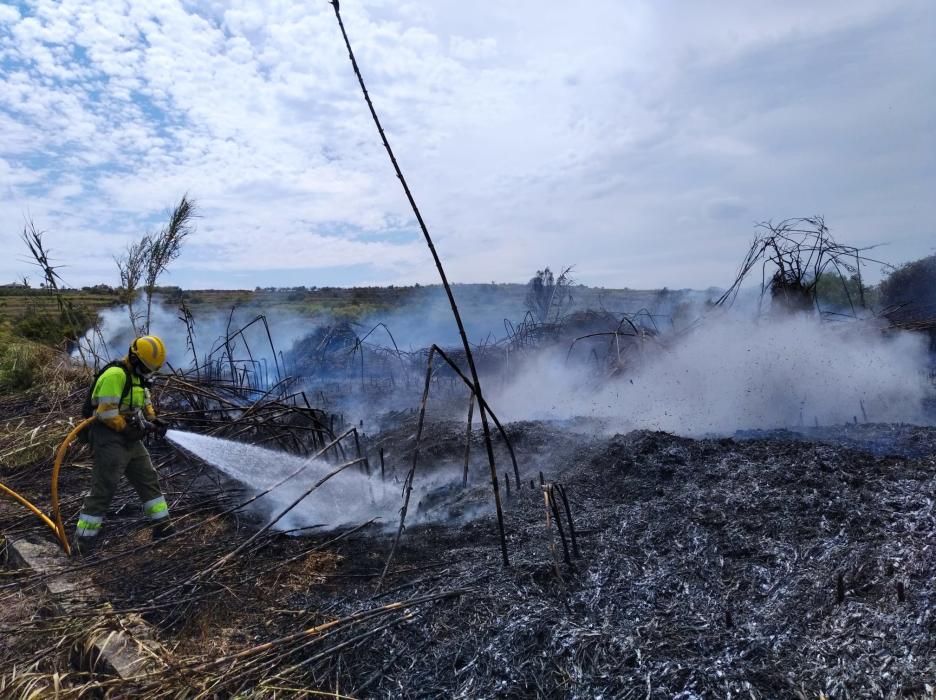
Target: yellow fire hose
x=22 y=501
x=56 y=524
x=56 y=468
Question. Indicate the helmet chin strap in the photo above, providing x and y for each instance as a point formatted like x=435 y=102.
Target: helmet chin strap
x=138 y=367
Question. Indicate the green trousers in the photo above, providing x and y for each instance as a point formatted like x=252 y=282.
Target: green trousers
x=115 y=456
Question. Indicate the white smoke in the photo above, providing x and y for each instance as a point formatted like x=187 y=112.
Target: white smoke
x=733 y=373
x=114 y=333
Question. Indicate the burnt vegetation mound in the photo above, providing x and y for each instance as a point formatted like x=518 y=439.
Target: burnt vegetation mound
x=774 y=564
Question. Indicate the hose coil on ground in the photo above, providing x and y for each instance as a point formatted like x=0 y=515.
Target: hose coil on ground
x=55 y=522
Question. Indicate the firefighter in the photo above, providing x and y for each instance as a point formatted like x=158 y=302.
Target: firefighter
x=120 y=402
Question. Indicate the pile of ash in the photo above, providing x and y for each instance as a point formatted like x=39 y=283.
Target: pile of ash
x=771 y=567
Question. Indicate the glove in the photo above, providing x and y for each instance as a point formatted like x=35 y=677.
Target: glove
x=134 y=431
x=137 y=428
x=159 y=428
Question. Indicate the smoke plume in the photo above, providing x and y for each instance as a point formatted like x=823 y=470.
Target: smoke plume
x=735 y=373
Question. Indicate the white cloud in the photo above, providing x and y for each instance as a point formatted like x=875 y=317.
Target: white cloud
x=305 y=251
x=9 y=14
x=638 y=141
x=472 y=49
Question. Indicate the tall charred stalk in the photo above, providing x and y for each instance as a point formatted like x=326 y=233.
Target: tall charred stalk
x=471 y=403
x=131 y=266
x=32 y=237
x=165 y=246
x=189 y=320
x=411 y=474
x=476 y=382
x=493 y=416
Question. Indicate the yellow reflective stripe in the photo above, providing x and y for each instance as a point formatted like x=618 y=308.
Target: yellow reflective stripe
x=97 y=400
x=107 y=413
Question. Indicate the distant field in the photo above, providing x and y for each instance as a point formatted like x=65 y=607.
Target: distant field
x=17 y=304
x=13 y=307
x=491 y=302
x=484 y=306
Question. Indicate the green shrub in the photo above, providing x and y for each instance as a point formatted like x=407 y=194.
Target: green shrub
x=53 y=327
x=20 y=365
x=909 y=292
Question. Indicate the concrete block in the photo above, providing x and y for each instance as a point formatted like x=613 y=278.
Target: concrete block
x=129 y=650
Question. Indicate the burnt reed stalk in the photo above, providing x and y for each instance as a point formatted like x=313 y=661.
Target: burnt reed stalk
x=476 y=382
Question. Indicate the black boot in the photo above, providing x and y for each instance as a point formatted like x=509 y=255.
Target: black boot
x=163 y=530
x=84 y=546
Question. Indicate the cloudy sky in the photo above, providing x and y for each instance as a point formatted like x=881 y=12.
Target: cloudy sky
x=639 y=140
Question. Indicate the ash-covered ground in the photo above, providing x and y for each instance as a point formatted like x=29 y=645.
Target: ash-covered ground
x=773 y=565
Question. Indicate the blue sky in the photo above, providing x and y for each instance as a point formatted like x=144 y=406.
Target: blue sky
x=637 y=140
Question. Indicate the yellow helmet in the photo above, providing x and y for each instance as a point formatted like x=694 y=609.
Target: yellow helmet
x=150 y=351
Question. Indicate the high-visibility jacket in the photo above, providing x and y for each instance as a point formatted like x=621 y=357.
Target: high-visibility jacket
x=107 y=393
